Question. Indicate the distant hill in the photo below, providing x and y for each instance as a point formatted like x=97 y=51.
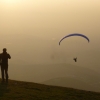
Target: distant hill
x=71 y=82
x=20 y=90
x=44 y=72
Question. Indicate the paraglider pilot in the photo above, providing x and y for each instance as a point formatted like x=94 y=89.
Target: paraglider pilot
x=75 y=59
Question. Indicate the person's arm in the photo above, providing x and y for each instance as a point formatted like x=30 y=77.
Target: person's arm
x=9 y=56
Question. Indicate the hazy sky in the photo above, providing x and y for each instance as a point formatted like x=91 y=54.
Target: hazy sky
x=31 y=30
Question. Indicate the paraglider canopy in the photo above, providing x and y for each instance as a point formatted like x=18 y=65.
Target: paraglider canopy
x=75 y=34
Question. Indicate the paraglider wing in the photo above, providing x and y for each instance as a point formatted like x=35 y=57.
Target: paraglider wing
x=75 y=34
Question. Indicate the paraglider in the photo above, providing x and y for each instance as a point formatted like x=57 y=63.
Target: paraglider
x=75 y=34
x=75 y=59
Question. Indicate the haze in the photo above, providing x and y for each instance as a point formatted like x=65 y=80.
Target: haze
x=31 y=30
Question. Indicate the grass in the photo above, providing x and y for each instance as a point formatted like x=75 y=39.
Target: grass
x=19 y=90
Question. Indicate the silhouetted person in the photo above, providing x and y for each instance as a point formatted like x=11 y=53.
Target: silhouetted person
x=4 y=64
x=75 y=59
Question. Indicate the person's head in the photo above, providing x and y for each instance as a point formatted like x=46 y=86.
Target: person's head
x=4 y=49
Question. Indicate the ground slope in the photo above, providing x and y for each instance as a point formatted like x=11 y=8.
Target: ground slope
x=18 y=90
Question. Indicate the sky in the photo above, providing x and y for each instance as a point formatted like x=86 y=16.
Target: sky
x=31 y=30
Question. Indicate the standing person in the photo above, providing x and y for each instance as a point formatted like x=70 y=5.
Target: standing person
x=4 y=64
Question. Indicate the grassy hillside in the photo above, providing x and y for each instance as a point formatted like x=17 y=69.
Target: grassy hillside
x=18 y=90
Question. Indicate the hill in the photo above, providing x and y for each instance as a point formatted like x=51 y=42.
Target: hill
x=40 y=73
x=72 y=82
x=19 y=90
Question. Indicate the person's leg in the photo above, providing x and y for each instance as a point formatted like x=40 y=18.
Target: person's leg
x=6 y=73
x=2 y=73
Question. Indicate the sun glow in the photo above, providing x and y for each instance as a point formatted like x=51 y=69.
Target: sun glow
x=10 y=1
